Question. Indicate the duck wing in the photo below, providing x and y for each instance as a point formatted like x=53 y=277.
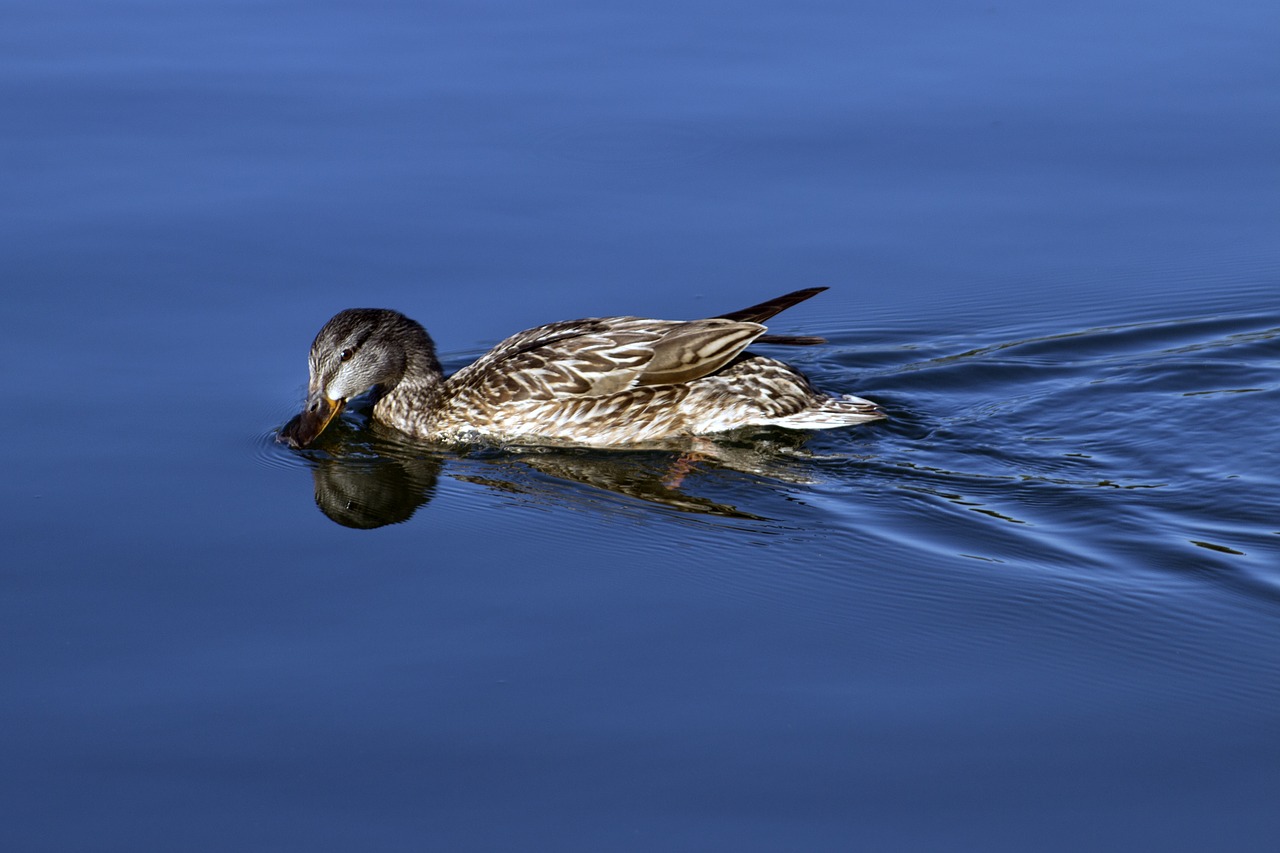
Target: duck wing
x=598 y=357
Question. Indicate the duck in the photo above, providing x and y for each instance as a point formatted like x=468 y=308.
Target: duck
x=595 y=382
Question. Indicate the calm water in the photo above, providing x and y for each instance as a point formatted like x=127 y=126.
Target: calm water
x=1039 y=608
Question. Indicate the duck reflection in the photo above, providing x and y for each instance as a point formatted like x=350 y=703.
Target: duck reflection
x=368 y=476
x=357 y=486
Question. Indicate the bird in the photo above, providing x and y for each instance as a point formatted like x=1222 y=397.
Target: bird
x=608 y=382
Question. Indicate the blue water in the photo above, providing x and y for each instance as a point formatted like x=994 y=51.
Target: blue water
x=1036 y=609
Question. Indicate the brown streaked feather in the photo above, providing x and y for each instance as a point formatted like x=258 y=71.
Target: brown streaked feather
x=605 y=356
x=765 y=310
x=695 y=349
x=600 y=369
x=544 y=336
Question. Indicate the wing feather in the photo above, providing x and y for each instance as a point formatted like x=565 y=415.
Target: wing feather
x=599 y=357
x=693 y=350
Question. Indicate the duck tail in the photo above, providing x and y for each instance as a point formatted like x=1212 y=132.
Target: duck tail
x=765 y=310
x=790 y=340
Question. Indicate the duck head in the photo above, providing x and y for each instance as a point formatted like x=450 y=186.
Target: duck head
x=358 y=350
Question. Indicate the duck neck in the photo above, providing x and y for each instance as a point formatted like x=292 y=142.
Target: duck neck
x=404 y=402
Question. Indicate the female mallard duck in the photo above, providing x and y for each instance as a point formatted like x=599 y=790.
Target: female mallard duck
x=609 y=381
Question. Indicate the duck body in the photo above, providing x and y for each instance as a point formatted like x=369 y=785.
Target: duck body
x=602 y=382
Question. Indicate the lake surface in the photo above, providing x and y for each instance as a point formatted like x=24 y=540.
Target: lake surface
x=1038 y=608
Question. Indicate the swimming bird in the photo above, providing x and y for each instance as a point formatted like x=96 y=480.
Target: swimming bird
x=598 y=382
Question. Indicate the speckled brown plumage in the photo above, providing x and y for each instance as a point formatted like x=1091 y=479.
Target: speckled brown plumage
x=610 y=381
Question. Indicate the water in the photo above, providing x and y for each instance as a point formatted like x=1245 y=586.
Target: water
x=1035 y=609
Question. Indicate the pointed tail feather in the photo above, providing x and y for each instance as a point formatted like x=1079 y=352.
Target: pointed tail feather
x=791 y=340
x=765 y=310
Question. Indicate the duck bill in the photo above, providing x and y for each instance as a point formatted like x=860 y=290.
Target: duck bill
x=306 y=426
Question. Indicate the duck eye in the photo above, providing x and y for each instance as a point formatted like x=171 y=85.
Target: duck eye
x=346 y=355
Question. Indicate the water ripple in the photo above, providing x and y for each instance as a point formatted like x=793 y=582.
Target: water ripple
x=1089 y=452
